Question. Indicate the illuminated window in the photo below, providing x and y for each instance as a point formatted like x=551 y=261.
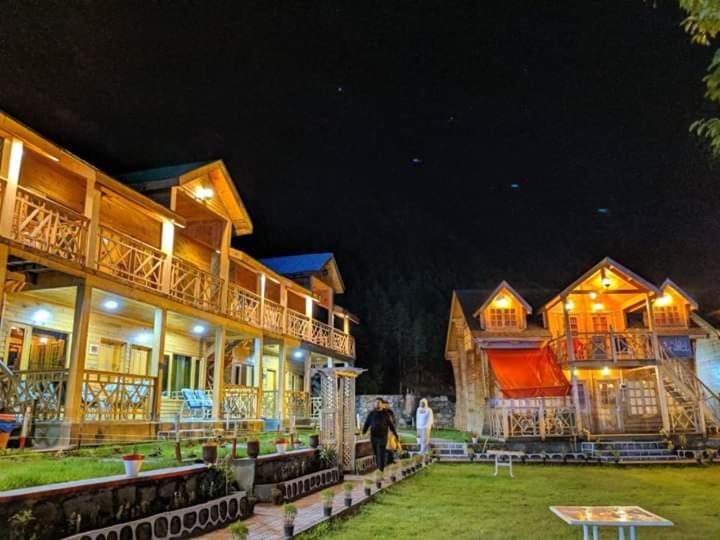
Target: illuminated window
x=573 y=325
x=502 y=318
x=668 y=316
x=642 y=398
x=47 y=350
x=600 y=324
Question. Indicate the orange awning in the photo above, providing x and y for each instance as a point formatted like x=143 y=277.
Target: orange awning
x=528 y=373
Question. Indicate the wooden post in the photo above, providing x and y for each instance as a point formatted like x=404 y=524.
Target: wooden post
x=261 y=287
x=280 y=405
x=307 y=383
x=283 y=303
x=662 y=398
x=156 y=358
x=4 y=251
x=167 y=242
x=258 y=353
x=571 y=364
x=78 y=350
x=541 y=418
x=224 y=270
x=309 y=315
x=10 y=170
x=219 y=372
x=92 y=212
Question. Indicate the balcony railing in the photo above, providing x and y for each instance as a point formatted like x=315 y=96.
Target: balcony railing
x=129 y=259
x=298 y=325
x=117 y=396
x=49 y=227
x=606 y=347
x=297 y=403
x=321 y=333
x=192 y=285
x=273 y=316
x=530 y=418
x=42 y=390
x=240 y=401
x=243 y=305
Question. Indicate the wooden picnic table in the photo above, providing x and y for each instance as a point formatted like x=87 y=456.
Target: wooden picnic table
x=609 y=516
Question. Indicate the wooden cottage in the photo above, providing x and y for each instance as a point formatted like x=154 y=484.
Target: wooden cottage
x=612 y=354
x=126 y=310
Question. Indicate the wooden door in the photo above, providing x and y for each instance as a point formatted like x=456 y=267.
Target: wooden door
x=607 y=400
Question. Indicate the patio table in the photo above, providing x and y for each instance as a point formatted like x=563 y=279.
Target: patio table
x=500 y=454
x=609 y=516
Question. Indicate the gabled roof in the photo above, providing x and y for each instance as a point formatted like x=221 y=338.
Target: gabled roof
x=309 y=263
x=504 y=285
x=670 y=283
x=161 y=173
x=610 y=264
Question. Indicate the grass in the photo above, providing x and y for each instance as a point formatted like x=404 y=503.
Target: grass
x=464 y=501
x=26 y=469
x=452 y=435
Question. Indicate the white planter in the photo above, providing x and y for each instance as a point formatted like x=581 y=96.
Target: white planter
x=132 y=466
x=281 y=448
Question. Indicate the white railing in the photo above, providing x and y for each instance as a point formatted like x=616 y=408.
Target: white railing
x=298 y=325
x=243 y=305
x=315 y=408
x=117 y=396
x=240 y=401
x=273 y=316
x=129 y=259
x=192 y=285
x=49 y=227
x=44 y=390
x=269 y=402
x=605 y=347
x=536 y=417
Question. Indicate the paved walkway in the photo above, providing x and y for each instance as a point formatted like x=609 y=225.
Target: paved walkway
x=267 y=521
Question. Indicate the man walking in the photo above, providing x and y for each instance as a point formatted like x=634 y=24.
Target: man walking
x=380 y=421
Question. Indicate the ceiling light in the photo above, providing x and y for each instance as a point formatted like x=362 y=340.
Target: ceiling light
x=605 y=371
x=43 y=340
x=664 y=300
x=143 y=337
x=298 y=354
x=593 y=295
x=597 y=306
x=569 y=305
x=502 y=301
x=198 y=329
x=111 y=305
x=204 y=193
x=41 y=316
x=606 y=282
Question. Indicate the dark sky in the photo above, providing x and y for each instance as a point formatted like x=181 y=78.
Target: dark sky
x=392 y=133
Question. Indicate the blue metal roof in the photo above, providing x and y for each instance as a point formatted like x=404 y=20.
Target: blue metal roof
x=161 y=173
x=297 y=264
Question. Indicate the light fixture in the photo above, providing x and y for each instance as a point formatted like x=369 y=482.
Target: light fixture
x=605 y=371
x=569 y=305
x=597 y=306
x=298 y=354
x=575 y=372
x=111 y=305
x=143 y=337
x=43 y=340
x=198 y=329
x=664 y=300
x=41 y=316
x=593 y=295
x=204 y=193
x=502 y=301
x=606 y=282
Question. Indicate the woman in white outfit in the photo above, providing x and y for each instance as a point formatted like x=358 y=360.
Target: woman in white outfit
x=424 y=421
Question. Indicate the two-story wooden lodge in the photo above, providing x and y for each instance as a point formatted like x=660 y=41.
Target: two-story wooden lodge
x=125 y=306
x=611 y=355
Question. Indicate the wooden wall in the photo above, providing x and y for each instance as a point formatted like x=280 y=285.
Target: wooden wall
x=193 y=251
x=47 y=177
x=126 y=218
x=244 y=277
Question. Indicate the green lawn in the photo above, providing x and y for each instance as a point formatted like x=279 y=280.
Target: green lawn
x=467 y=502
x=408 y=436
x=25 y=469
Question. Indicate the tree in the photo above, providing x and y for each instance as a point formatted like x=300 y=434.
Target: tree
x=703 y=25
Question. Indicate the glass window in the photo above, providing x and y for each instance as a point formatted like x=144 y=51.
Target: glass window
x=600 y=324
x=15 y=347
x=668 y=316
x=47 y=350
x=502 y=318
x=182 y=368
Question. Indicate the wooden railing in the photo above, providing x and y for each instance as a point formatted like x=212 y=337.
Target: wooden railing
x=537 y=417
x=269 y=402
x=605 y=347
x=273 y=316
x=240 y=401
x=43 y=390
x=192 y=285
x=129 y=259
x=243 y=305
x=298 y=325
x=297 y=403
x=320 y=334
x=117 y=396
x=41 y=224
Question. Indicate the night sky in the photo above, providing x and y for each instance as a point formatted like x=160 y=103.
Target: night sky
x=430 y=145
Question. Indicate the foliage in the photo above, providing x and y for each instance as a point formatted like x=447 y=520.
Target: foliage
x=22 y=527
x=347 y=487
x=327 y=496
x=367 y=482
x=328 y=456
x=463 y=502
x=289 y=512
x=239 y=530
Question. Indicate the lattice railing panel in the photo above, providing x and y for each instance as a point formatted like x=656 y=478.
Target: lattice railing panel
x=297 y=403
x=49 y=227
x=269 y=403
x=320 y=334
x=44 y=389
x=194 y=286
x=117 y=396
x=243 y=305
x=298 y=325
x=240 y=401
x=273 y=316
x=129 y=259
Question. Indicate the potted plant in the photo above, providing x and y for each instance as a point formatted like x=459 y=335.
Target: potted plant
x=290 y=512
x=347 y=490
x=393 y=473
x=473 y=438
x=239 y=530
x=367 y=484
x=327 y=496
x=281 y=445
x=133 y=462
x=314 y=440
x=210 y=452
x=616 y=455
x=277 y=496
x=253 y=448
x=378 y=478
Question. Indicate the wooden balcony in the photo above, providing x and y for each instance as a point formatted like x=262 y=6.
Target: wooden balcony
x=129 y=259
x=192 y=285
x=243 y=305
x=117 y=396
x=273 y=316
x=533 y=418
x=631 y=346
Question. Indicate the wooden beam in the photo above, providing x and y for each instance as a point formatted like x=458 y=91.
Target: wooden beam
x=78 y=352
x=219 y=372
x=10 y=170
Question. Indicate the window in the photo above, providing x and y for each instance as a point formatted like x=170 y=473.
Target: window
x=15 y=347
x=502 y=318
x=573 y=325
x=642 y=398
x=600 y=324
x=47 y=350
x=140 y=360
x=668 y=316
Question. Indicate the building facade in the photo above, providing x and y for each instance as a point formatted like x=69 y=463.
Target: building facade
x=611 y=355
x=126 y=309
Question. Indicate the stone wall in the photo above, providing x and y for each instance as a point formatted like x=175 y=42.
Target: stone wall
x=404 y=407
x=60 y=510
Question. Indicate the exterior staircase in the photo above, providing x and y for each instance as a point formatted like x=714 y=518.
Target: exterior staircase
x=631 y=452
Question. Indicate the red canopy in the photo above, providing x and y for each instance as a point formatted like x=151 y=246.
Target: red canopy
x=527 y=373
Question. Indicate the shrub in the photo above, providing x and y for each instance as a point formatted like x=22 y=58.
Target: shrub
x=327 y=496
x=347 y=487
x=290 y=512
x=239 y=530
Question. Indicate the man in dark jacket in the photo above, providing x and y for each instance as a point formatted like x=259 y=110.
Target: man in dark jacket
x=380 y=421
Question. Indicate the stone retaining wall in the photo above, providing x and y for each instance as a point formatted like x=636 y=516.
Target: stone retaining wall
x=404 y=407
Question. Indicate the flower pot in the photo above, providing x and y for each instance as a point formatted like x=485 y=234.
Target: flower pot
x=210 y=453
x=348 y=502
x=378 y=484
x=314 y=441
x=367 y=492
x=133 y=464
x=327 y=511
x=393 y=478
x=253 y=449
x=289 y=530
x=4 y=438
x=281 y=448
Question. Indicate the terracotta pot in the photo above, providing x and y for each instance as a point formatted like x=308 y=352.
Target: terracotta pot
x=253 y=449
x=133 y=464
x=4 y=438
x=210 y=453
x=314 y=441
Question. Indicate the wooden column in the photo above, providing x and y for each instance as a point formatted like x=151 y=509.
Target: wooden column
x=4 y=251
x=309 y=315
x=219 y=372
x=662 y=398
x=280 y=405
x=158 y=351
x=78 y=351
x=167 y=243
x=92 y=212
x=571 y=364
x=224 y=270
x=261 y=289
x=258 y=354
x=283 y=303
x=10 y=170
